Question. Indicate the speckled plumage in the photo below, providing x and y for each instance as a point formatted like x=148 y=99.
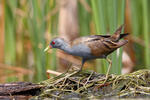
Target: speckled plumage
x=91 y=47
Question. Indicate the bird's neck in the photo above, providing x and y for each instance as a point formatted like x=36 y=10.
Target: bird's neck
x=67 y=48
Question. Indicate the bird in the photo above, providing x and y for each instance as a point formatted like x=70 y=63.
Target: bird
x=92 y=46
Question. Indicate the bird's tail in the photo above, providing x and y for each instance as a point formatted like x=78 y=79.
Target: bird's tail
x=117 y=36
x=122 y=42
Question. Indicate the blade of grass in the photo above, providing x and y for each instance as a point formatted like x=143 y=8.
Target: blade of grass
x=146 y=33
x=112 y=13
x=51 y=62
x=2 y=30
x=121 y=15
x=10 y=46
x=136 y=18
x=99 y=20
x=84 y=20
x=37 y=28
x=10 y=42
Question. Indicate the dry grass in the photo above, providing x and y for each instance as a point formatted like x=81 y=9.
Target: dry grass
x=90 y=85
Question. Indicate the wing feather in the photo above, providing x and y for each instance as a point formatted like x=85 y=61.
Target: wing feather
x=104 y=47
x=90 y=38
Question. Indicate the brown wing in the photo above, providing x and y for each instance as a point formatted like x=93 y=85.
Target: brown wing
x=103 y=47
x=87 y=39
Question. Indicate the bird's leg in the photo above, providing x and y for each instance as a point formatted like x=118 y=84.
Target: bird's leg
x=83 y=61
x=108 y=70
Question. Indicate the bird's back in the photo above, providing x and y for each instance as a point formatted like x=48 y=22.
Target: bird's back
x=87 y=39
x=101 y=45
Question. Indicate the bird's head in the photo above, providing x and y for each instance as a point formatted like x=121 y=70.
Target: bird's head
x=55 y=43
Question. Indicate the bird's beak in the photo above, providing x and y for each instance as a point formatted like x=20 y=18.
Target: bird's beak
x=47 y=48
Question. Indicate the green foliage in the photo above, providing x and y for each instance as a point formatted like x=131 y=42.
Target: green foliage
x=140 y=26
x=35 y=25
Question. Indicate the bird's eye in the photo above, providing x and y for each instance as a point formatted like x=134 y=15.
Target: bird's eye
x=53 y=42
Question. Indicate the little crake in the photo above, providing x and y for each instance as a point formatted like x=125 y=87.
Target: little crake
x=91 y=47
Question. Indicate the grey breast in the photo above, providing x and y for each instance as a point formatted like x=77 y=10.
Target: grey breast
x=81 y=50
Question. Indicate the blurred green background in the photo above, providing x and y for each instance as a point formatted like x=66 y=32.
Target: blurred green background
x=27 y=26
